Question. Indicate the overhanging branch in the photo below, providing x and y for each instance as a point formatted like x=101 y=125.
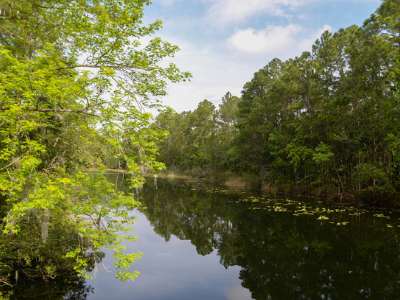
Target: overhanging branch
x=53 y=110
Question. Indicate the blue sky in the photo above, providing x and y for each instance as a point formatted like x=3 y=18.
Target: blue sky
x=224 y=42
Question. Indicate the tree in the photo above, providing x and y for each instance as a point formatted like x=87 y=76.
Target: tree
x=73 y=78
x=317 y=120
x=228 y=110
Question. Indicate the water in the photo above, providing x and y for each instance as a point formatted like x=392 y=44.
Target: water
x=202 y=243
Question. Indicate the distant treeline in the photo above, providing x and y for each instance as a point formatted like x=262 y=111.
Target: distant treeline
x=327 y=120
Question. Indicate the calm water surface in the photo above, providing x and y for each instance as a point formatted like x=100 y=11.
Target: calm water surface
x=200 y=242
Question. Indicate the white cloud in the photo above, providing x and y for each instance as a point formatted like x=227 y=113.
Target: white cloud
x=228 y=11
x=214 y=74
x=187 y=96
x=217 y=70
x=265 y=41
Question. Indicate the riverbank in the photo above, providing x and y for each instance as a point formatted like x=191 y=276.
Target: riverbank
x=369 y=196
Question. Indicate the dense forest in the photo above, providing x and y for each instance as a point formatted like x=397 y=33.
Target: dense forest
x=326 y=121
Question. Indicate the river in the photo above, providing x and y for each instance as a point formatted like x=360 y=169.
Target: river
x=206 y=242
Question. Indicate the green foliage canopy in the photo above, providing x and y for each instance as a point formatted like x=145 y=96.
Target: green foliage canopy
x=74 y=77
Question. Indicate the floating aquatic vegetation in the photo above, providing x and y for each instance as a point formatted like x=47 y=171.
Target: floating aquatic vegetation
x=381 y=216
x=317 y=210
x=342 y=223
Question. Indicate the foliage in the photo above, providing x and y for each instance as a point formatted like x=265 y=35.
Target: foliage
x=199 y=139
x=74 y=83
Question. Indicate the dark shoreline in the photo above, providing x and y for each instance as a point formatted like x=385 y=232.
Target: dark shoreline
x=251 y=182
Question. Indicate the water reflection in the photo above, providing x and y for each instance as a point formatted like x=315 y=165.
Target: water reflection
x=66 y=286
x=199 y=244
x=71 y=288
x=281 y=256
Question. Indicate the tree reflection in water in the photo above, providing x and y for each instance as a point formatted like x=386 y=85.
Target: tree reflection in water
x=73 y=288
x=66 y=286
x=282 y=256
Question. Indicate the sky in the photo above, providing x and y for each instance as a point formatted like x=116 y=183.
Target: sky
x=224 y=42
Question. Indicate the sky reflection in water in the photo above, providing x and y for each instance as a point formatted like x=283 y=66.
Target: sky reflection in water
x=169 y=270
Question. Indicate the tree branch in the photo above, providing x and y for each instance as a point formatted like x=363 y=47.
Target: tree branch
x=53 y=110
